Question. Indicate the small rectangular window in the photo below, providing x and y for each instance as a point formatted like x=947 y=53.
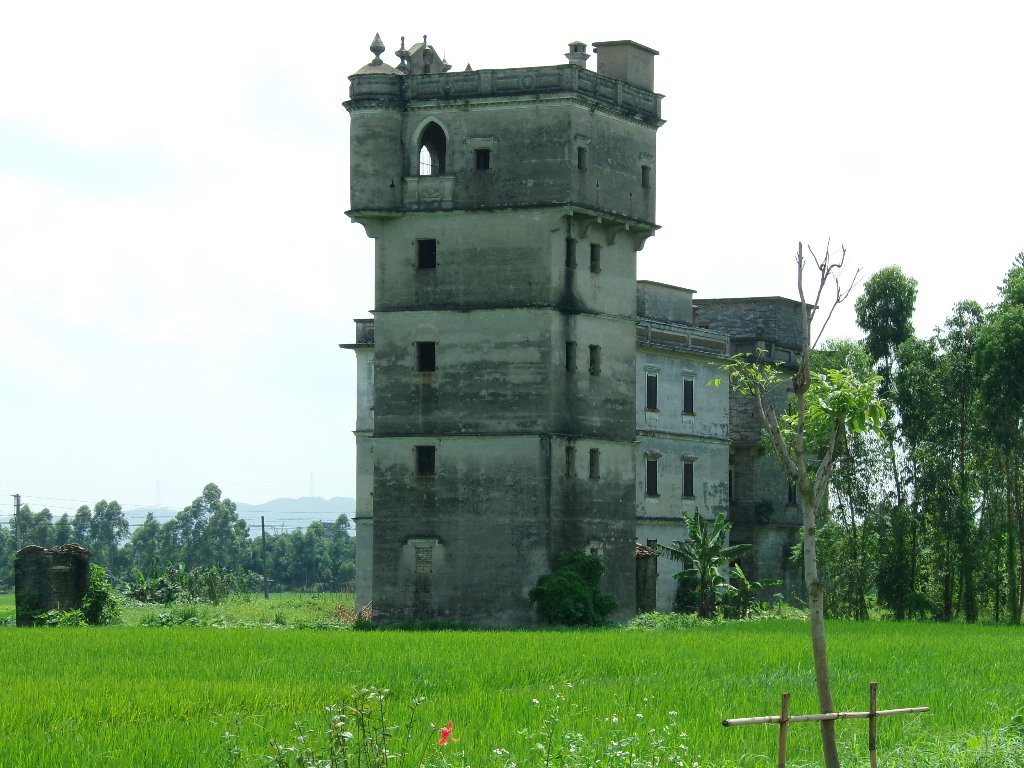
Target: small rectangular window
x=426 y=356
x=652 y=392
x=483 y=159
x=645 y=176
x=732 y=485
x=570 y=253
x=687 y=479
x=424 y=559
x=688 y=396
x=570 y=356
x=425 y=460
x=595 y=464
x=652 y=543
x=581 y=158
x=595 y=360
x=652 y=477
x=570 y=461
x=791 y=495
x=595 y=257
x=426 y=254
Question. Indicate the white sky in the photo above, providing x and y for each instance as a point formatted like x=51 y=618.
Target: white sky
x=177 y=269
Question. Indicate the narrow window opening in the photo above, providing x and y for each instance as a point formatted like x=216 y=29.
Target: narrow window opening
x=595 y=360
x=570 y=253
x=426 y=254
x=687 y=479
x=595 y=257
x=688 y=396
x=652 y=477
x=424 y=559
x=791 y=494
x=426 y=356
x=595 y=464
x=426 y=456
x=732 y=485
x=570 y=461
x=652 y=392
x=645 y=176
x=581 y=158
x=570 y=356
x=483 y=159
x=433 y=147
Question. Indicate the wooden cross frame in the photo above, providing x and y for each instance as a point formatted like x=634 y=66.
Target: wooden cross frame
x=783 y=719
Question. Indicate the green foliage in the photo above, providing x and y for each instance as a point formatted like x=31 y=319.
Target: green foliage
x=885 y=312
x=100 y=605
x=739 y=598
x=55 y=618
x=571 y=595
x=703 y=555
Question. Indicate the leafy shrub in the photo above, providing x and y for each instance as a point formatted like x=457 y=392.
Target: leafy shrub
x=571 y=595
x=99 y=606
x=205 y=585
x=55 y=618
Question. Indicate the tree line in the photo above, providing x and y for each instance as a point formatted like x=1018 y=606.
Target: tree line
x=206 y=533
x=925 y=517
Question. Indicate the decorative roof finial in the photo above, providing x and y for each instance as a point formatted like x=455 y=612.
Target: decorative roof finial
x=377 y=48
x=578 y=54
x=403 y=57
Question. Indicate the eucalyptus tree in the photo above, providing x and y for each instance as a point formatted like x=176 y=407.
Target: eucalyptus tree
x=825 y=407
x=848 y=532
x=1000 y=341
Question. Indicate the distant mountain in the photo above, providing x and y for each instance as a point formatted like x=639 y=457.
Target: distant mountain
x=280 y=514
x=316 y=507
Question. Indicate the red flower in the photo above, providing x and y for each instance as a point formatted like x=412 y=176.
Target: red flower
x=446 y=733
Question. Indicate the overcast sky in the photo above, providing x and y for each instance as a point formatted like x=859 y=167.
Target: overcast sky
x=177 y=269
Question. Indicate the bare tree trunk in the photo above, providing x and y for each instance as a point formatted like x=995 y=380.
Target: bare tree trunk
x=816 y=604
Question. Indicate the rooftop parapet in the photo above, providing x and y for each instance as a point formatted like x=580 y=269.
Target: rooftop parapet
x=625 y=85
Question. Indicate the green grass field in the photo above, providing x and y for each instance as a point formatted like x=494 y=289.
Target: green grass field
x=142 y=696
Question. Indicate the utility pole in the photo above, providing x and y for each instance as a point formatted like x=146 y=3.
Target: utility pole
x=263 y=529
x=17 y=521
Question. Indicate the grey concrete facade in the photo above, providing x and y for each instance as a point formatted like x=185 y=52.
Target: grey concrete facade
x=504 y=382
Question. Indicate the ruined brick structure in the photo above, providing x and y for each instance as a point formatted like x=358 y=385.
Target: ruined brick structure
x=520 y=394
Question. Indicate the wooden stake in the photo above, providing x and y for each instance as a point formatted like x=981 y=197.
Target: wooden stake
x=872 y=723
x=783 y=729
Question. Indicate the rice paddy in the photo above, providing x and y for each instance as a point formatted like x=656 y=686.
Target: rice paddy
x=143 y=696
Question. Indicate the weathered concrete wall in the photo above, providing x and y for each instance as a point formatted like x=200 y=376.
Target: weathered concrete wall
x=772 y=318
x=49 y=579
x=534 y=122
x=666 y=303
x=498 y=511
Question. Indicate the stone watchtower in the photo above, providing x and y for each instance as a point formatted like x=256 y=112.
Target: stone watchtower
x=497 y=376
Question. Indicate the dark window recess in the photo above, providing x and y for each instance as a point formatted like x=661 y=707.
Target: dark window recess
x=483 y=159
x=426 y=254
x=732 y=485
x=595 y=257
x=570 y=253
x=652 y=477
x=595 y=464
x=791 y=495
x=581 y=158
x=570 y=356
x=426 y=356
x=645 y=176
x=687 y=395
x=424 y=559
x=433 y=147
x=688 y=479
x=595 y=360
x=652 y=392
x=570 y=461
x=652 y=543
x=426 y=457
